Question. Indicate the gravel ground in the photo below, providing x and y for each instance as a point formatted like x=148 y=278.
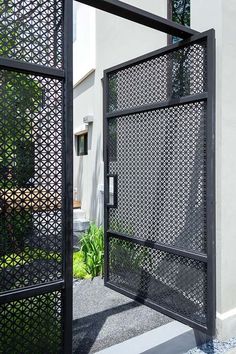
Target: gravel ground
x=215 y=347
x=102 y=317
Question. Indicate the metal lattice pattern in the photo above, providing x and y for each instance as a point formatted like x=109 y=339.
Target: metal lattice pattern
x=31 y=31
x=35 y=221
x=31 y=140
x=159 y=158
x=32 y=325
x=159 y=180
x=172 y=281
x=179 y=73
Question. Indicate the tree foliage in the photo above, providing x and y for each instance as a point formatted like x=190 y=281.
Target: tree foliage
x=21 y=97
x=181 y=12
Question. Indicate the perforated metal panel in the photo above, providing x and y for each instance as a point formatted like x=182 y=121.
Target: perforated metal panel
x=32 y=31
x=159 y=180
x=32 y=324
x=35 y=176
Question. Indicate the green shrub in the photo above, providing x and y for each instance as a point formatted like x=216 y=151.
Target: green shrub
x=79 y=267
x=88 y=262
x=14 y=230
x=27 y=256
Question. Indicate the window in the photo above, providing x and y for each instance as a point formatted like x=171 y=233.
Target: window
x=179 y=12
x=82 y=144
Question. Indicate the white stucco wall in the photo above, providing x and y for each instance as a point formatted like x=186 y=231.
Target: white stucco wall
x=221 y=14
x=117 y=40
x=83 y=40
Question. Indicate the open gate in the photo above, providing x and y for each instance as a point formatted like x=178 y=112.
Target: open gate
x=35 y=176
x=159 y=180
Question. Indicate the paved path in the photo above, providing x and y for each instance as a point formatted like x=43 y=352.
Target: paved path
x=102 y=317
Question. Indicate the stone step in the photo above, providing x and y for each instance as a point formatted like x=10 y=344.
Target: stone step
x=80 y=224
x=79 y=214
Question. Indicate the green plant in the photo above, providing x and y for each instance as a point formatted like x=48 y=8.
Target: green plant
x=14 y=228
x=88 y=262
x=92 y=246
x=21 y=99
x=79 y=267
x=124 y=255
x=27 y=256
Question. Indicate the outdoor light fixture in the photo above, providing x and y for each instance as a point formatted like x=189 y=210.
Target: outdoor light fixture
x=88 y=119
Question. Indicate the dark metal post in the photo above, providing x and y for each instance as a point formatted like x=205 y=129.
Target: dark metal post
x=106 y=170
x=68 y=173
x=210 y=212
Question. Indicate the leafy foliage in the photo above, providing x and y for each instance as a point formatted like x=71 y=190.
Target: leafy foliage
x=21 y=97
x=88 y=262
x=27 y=256
x=181 y=12
x=79 y=267
x=92 y=246
x=124 y=255
x=14 y=229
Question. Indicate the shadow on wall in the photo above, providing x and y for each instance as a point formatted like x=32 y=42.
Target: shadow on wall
x=95 y=209
x=89 y=170
x=79 y=183
x=79 y=165
x=84 y=85
x=96 y=200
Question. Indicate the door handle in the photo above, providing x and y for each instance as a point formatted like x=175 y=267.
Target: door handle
x=112 y=184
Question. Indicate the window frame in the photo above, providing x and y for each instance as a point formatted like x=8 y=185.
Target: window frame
x=85 y=144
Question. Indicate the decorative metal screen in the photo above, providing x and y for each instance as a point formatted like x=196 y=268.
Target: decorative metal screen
x=159 y=180
x=35 y=216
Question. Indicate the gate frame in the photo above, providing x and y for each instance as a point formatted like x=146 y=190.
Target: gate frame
x=210 y=257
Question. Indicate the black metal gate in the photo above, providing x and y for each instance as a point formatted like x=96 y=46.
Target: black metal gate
x=159 y=180
x=35 y=176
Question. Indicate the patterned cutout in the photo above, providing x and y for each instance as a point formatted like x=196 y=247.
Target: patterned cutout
x=159 y=157
x=176 y=283
x=161 y=169
x=32 y=325
x=182 y=72
x=31 y=139
x=32 y=31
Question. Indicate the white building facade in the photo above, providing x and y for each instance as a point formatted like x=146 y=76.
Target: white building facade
x=108 y=40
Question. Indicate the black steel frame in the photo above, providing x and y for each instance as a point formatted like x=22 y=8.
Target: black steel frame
x=142 y=17
x=210 y=258
x=65 y=285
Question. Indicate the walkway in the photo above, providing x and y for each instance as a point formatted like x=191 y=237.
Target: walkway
x=103 y=317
